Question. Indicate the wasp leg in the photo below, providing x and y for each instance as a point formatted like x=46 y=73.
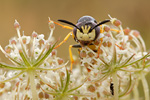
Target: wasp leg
x=63 y=26
x=115 y=30
x=101 y=30
x=71 y=58
x=65 y=39
x=120 y=47
x=70 y=53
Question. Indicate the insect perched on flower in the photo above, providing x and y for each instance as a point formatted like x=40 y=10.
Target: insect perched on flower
x=85 y=32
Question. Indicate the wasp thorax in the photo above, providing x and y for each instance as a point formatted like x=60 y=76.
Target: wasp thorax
x=85 y=35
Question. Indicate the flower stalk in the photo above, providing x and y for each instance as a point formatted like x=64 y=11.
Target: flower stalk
x=136 y=93
x=115 y=82
x=145 y=86
x=31 y=75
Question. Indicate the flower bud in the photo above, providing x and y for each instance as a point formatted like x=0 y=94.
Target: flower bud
x=17 y=25
x=116 y=22
x=2 y=85
x=90 y=54
x=41 y=42
x=34 y=34
x=96 y=42
x=106 y=28
x=136 y=33
x=91 y=88
x=108 y=35
x=24 y=40
x=60 y=61
x=105 y=44
x=8 y=49
x=46 y=95
x=100 y=51
x=82 y=54
x=41 y=83
x=41 y=95
x=51 y=24
x=13 y=41
x=1 y=93
x=86 y=65
x=75 y=97
x=54 y=52
x=97 y=84
x=109 y=44
x=130 y=37
x=126 y=31
x=93 y=62
x=38 y=86
x=98 y=95
x=62 y=74
x=17 y=84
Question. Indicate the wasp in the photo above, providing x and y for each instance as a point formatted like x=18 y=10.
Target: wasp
x=85 y=32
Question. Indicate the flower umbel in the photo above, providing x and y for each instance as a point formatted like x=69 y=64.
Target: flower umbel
x=120 y=63
x=31 y=56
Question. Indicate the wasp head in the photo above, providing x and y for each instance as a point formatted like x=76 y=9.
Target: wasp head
x=86 y=30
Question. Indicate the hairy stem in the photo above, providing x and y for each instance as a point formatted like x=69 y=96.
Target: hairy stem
x=32 y=85
x=135 y=93
x=145 y=86
x=115 y=81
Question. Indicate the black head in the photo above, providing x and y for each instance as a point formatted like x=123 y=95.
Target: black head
x=86 y=29
x=86 y=19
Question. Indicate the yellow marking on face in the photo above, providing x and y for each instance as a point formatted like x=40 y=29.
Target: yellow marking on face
x=85 y=36
x=85 y=29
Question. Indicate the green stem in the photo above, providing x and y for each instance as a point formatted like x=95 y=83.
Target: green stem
x=127 y=97
x=147 y=55
x=115 y=81
x=40 y=61
x=25 y=60
x=145 y=86
x=125 y=63
x=32 y=85
x=3 y=65
x=67 y=82
x=135 y=93
x=12 y=78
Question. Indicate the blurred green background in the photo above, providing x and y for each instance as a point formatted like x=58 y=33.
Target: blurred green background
x=33 y=16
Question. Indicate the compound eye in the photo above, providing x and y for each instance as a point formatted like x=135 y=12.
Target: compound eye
x=90 y=30
x=92 y=35
x=81 y=30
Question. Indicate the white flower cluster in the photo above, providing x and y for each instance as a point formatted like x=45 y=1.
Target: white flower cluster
x=119 y=64
x=111 y=72
x=29 y=55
